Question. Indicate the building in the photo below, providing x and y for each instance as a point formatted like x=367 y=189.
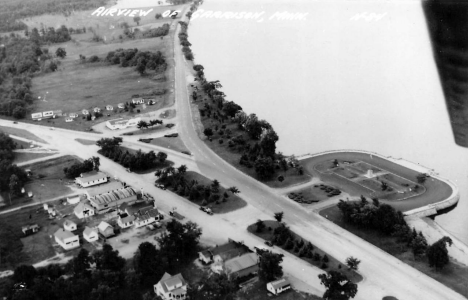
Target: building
x=83 y=210
x=73 y=200
x=85 y=112
x=125 y=221
x=278 y=286
x=90 y=234
x=103 y=189
x=106 y=229
x=97 y=110
x=30 y=229
x=121 y=105
x=91 y=178
x=223 y=252
x=171 y=287
x=111 y=197
x=68 y=120
x=109 y=107
x=69 y=225
x=241 y=266
x=138 y=101
x=73 y=115
x=148 y=217
x=122 y=123
x=66 y=239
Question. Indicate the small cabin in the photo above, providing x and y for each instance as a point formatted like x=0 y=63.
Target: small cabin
x=73 y=115
x=30 y=229
x=138 y=101
x=68 y=120
x=90 y=234
x=69 y=225
x=278 y=286
x=121 y=105
x=97 y=109
x=85 y=112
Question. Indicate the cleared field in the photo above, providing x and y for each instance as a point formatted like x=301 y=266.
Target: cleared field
x=22 y=156
x=21 y=133
x=322 y=166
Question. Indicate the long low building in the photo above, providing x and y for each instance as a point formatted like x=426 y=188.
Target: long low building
x=122 y=123
x=91 y=178
x=103 y=202
x=103 y=189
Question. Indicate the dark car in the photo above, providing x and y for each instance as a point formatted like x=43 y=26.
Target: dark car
x=207 y=210
x=269 y=244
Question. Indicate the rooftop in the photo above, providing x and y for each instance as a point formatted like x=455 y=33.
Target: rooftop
x=105 y=188
x=172 y=283
x=62 y=234
x=89 y=230
x=90 y=176
x=280 y=283
x=80 y=207
x=240 y=263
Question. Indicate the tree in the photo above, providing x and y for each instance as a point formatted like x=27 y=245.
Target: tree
x=25 y=274
x=19 y=112
x=60 y=52
x=161 y=156
x=213 y=286
x=265 y=168
x=279 y=216
x=208 y=132
x=233 y=190
x=353 y=263
x=142 y=124
x=108 y=144
x=14 y=185
x=157 y=16
x=148 y=262
x=421 y=177
x=137 y=20
x=108 y=259
x=260 y=225
x=270 y=266
x=419 y=245
x=437 y=253
x=141 y=68
x=338 y=286
x=81 y=263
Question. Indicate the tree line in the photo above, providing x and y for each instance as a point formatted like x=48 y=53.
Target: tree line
x=139 y=161
x=175 y=178
x=11 y=12
x=390 y=222
x=143 y=61
x=104 y=274
x=12 y=177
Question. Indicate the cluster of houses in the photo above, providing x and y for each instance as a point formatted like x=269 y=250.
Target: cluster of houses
x=137 y=215
x=66 y=237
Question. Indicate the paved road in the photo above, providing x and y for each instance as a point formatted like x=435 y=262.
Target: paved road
x=384 y=275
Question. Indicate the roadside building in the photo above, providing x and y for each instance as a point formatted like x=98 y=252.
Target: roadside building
x=91 y=178
x=223 y=252
x=97 y=110
x=147 y=217
x=69 y=225
x=109 y=107
x=73 y=200
x=171 y=287
x=122 y=123
x=105 y=229
x=278 y=286
x=30 y=229
x=241 y=266
x=90 y=234
x=85 y=112
x=66 y=239
x=73 y=115
x=68 y=120
x=83 y=210
x=121 y=105
x=125 y=220
x=110 y=195
x=138 y=101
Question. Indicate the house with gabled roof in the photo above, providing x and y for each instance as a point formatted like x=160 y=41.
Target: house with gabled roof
x=97 y=110
x=85 y=112
x=125 y=220
x=121 y=105
x=83 y=210
x=278 y=286
x=69 y=225
x=109 y=107
x=106 y=229
x=90 y=234
x=223 y=252
x=171 y=287
x=66 y=239
x=239 y=266
x=91 y=178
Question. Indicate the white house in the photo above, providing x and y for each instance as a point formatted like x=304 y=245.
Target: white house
x=146 y=218
x=109 y=107
x=138 y=101
x=90 y=234
x=73 y=200
x=97 y=109
x=68 y=120
x=69 y=225
x=91 y=178
x=121 y=105
x=66 y=239
x=83 y=209
x=73 y=115
x=171 y=287
x=85 y=112
x=278 y=286
x=106 y=229
x=122 y=123
x=126 y=221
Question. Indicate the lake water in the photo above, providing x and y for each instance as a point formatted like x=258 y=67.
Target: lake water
x=347 y=75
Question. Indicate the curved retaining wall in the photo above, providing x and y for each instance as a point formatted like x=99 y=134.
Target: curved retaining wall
x=424 y=211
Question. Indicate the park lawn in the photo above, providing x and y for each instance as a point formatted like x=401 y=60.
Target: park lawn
x=454 y=275
x=21 y=133
x=258 y=291
x=233 y=202
x=25 y=156
x=436 y=190
x=168 y=114
x=333 y=264
x=86 y=142
x=175 y=144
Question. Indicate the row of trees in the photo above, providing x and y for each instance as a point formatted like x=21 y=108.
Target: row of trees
x=175 y=178
x=157 y=32
x=49 y=35
x=388 y=221
x=145 y=125
x=104 y=274
x=138 y=161
x=12 y=178
x=143 y=61
x=78 y=168
x=183 y=39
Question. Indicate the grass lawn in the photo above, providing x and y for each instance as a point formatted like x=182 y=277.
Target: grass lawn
x=171 y=143
x=454 y=276
x=168 y=114
x=333 y=264
x=24 y=156
x=258 y=291
x=233 y=203
x=21 y=133
x=22 y=144
x=436 y=190
x=86 y=142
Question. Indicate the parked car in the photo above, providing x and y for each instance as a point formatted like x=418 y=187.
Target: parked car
x=160 y=186
x=269 y=244
x=207 y=210
x=172 y=135
x=186 y=152
x=157 y=224
x=14 y=122
x=170 y=125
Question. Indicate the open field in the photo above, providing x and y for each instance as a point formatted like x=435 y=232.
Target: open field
x=453 y=275
x=24 y=156
x=171 y=143
x=436 y=190
x=333 y=264
x=21 y=133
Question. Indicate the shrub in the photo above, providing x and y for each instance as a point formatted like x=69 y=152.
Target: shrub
x=317 y=257
x=289 y=244
x=325 y=258
x=221 y=141
x=204 y=202
x=324 y=266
